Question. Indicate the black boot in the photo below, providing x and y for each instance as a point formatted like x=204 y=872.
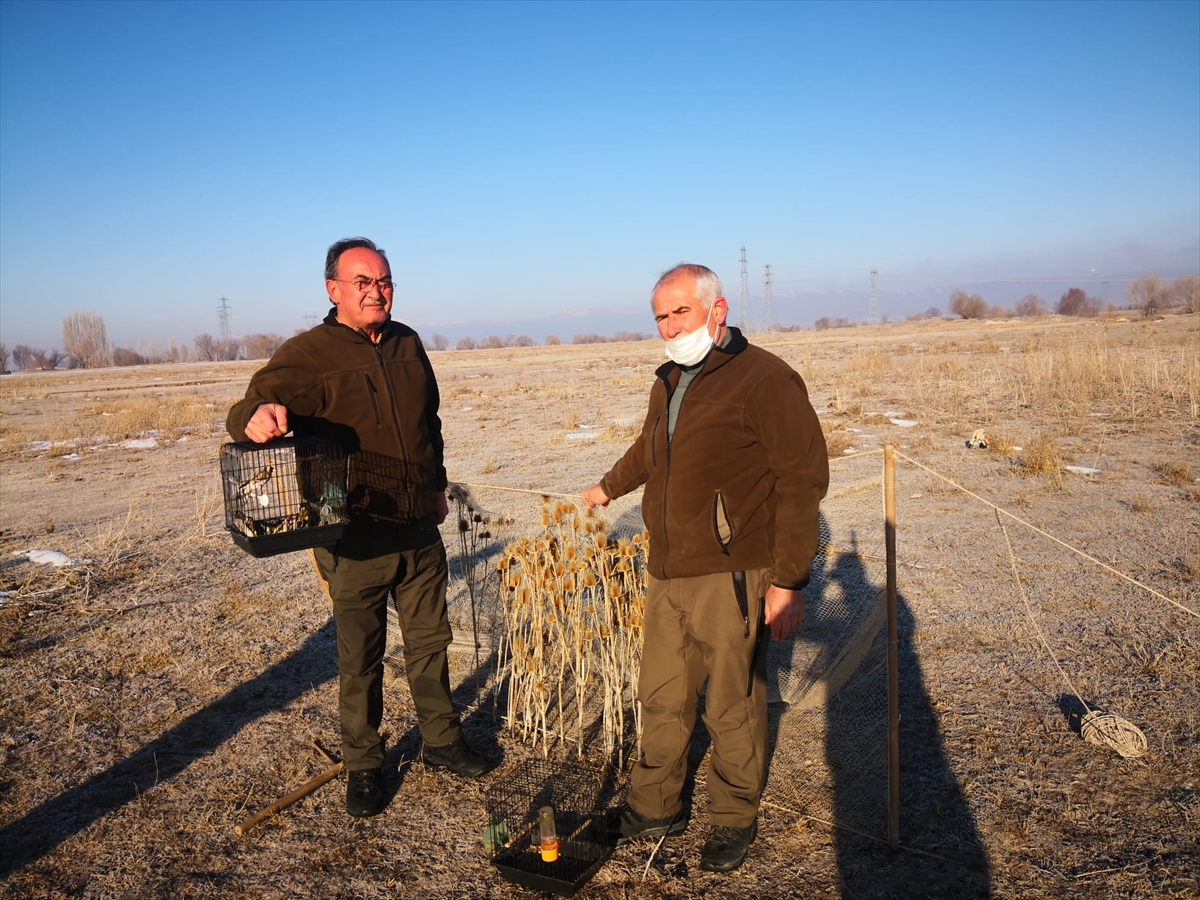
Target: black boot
x=364 y=794
x=726 y=847
x=634 y=825
x=458 y=758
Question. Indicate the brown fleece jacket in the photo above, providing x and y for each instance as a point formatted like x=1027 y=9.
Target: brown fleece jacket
x=379 y=401
x=739 y=485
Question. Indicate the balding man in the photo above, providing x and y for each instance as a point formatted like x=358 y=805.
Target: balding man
x=734 y=466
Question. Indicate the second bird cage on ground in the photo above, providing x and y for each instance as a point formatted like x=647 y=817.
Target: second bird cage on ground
x=584 y=827
x=285 y=495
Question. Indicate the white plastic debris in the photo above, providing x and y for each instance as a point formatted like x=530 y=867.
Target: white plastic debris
x=1082 y=470
x=51 y=557
x=904 y=423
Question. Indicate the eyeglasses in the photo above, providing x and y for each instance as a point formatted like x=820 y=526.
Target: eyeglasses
x=363 y=285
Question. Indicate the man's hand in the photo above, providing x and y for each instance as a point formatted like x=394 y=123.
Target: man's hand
x=784 y=611
x=269 y=421
x=443 y=507
x=595 y=496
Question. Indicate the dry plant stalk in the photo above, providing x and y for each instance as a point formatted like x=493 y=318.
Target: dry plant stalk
x=573 y=601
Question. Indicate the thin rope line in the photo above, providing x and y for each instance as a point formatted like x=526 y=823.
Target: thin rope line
x=1096 y=727
x=1012 y=558
x=1032 y=527
x=575 y=496
x=513 y=490
x=864 y=834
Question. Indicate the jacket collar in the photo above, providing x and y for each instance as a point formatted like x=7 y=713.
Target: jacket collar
x=717 y=357
x=331 y=319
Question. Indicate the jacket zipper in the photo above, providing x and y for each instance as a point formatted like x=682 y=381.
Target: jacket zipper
x=373 y=393
x=391 y=402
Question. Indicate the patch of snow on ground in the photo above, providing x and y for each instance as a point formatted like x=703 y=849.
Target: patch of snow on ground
x=51 y=557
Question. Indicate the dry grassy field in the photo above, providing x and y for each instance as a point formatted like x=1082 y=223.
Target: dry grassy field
x=164 y=685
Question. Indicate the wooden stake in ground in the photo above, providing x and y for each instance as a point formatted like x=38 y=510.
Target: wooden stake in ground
x=288 y=799
x=889 y=508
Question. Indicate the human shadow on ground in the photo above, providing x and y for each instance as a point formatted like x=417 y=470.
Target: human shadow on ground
x=941 y=852
x=45 y=827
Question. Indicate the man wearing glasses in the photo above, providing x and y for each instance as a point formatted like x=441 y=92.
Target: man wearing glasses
x=364 y=380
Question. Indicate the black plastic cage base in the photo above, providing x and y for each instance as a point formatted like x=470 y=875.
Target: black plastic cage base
x=285 y=495
x=586 y=837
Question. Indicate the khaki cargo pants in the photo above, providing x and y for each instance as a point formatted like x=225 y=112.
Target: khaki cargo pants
x=359 y=573
x=695 y=631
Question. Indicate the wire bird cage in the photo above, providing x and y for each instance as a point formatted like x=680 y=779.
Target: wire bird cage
x=583 y=829
x=285 y=495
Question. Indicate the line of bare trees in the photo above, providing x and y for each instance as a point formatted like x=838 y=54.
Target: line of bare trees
x=86 y=346
x=494 y=342
x=1148 y=295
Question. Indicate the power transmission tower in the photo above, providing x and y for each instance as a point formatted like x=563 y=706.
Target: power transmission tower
x=223 y=318
x=745 y=313
x=769 y=322
x=310 y=320
x=873 y=310
x=226 y=349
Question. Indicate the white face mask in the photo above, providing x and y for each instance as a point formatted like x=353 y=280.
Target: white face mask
x=688 y=349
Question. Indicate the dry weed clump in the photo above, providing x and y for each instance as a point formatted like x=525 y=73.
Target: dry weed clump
x=620 y=432
x=1175 y=472
x=573 y=602
x=837 y=440
x=1041 y=457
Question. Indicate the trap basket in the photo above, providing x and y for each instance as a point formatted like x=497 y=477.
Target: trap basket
x=285 y=495
x=585 y=830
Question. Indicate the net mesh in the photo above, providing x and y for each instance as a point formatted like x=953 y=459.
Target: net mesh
x=986 y=665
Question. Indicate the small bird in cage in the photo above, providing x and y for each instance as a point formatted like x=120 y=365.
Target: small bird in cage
x=245 y=526
x=256 y=486
x=333 y=500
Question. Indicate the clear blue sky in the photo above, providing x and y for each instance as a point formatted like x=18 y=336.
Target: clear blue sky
x=519 y=159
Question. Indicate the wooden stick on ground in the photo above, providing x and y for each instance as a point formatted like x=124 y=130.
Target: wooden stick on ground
x=288 y=799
